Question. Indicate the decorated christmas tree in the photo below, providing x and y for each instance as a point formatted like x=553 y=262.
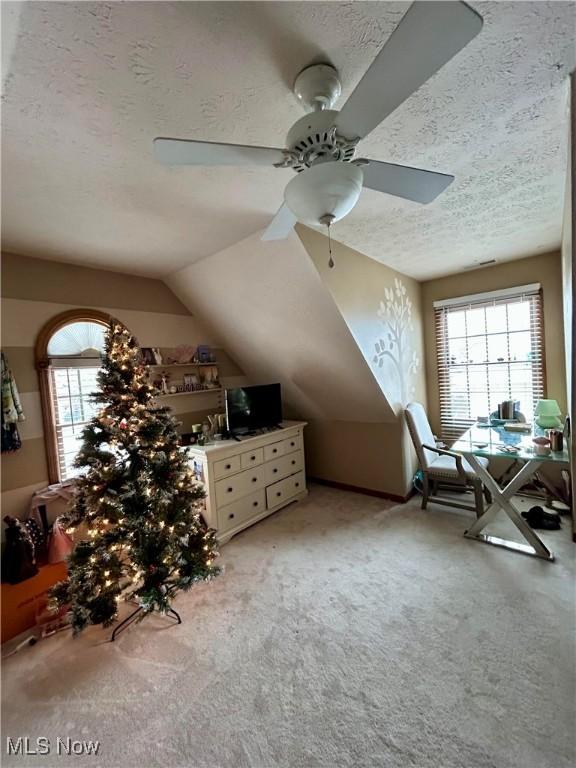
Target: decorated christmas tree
x=146 y=539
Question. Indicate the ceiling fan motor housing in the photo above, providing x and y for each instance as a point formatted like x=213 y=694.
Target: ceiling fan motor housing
x=314 y=139
x=327 y=189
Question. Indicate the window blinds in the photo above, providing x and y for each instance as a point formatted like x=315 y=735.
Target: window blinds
x=72 y=409
x=489 y=348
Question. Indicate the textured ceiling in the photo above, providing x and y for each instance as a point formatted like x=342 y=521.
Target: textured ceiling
x=89 y=85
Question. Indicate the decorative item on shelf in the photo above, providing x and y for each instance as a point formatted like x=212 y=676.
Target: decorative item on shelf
x=204 y=354
x=164 y=383
x=209 y=377
x=547 y=414
x=183 y=354
x=19 y=560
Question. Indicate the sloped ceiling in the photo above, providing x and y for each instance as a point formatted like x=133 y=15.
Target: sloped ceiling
x=280 y=322
x=87 y=86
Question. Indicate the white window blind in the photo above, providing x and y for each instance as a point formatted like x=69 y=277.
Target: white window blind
x=489 y=349
x=72 y=409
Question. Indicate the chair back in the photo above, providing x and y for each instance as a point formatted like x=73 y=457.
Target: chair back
x=421 y=433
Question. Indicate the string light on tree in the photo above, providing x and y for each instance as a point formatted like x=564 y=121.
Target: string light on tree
x=143 y=518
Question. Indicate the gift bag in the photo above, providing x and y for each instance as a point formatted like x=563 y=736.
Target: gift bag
x=18 y=562
x=61 y=543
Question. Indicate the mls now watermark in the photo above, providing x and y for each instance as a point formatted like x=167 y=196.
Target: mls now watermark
x=24 y=745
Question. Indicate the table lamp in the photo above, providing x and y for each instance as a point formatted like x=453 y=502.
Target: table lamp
x=547 y=413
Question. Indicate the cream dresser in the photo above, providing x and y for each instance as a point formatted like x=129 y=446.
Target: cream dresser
x=248 y=480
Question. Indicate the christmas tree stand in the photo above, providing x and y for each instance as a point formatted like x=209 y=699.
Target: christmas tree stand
x=131 y=618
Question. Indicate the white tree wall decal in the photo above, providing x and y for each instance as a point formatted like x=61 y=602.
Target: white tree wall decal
x=395 y=314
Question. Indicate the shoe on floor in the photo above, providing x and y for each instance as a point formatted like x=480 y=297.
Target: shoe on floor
x=536 y=517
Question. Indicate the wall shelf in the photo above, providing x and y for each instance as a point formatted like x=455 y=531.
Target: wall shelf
x=193 y=392
x=180 y=365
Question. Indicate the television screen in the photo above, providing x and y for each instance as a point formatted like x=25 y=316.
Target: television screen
x=249 y=408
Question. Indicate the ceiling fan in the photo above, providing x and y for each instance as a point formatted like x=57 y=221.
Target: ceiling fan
x=321 y=146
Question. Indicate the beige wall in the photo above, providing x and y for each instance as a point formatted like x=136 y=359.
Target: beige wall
x=382 y=308
x=546 y=270
x=33 y=292
x=360 y=454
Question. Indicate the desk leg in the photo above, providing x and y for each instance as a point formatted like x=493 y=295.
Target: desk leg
x=501 y=500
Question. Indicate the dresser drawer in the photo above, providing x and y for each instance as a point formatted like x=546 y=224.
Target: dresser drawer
x=242 y=510
x=293 y=444
x=252 y=458
x=273 y=451
x=284 y=466
x=232 y=488
x=226 y=467
x=285 y=489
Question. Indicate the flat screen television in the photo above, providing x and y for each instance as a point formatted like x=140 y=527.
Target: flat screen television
x=250 y=408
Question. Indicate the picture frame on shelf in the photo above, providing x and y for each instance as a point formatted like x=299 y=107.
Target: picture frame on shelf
x=148 y=355
x=191 y=381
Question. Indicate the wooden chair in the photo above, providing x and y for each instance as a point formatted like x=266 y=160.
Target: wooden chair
x=440 y=466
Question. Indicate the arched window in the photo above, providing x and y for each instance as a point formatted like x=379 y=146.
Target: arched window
x=68 y=357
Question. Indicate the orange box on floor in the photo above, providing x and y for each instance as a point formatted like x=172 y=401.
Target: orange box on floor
x=20 y=601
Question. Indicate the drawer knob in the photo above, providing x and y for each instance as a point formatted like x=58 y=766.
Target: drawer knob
x=231 y=515
x=275 y=450
x=254 y=479
x=275 y=469
x=293 y=461
x=254 y=503
x=228 y=466
x=278 y=493
x=297 y=484
x=229 y=490
x=292 y=444
x=252 y=458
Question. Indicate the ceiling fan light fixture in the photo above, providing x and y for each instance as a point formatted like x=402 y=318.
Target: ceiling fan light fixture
x=328 y=189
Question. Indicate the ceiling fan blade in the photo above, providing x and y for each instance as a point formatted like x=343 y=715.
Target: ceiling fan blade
x=190 y=152
x=429 y=35
x=281 y=225
x=402 y=181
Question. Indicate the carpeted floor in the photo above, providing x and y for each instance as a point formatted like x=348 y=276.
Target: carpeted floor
x=345 y=632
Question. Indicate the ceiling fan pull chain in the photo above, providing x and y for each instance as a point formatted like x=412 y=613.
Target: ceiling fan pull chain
x=331 y=260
